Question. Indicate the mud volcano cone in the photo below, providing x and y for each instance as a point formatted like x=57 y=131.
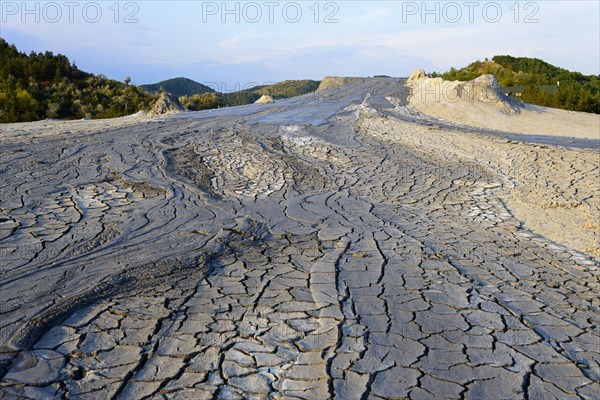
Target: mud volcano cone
x=165 y=105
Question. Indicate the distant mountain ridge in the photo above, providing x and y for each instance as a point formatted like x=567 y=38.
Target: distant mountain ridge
x=286 y=89
x=280 y=90
x=178 y=87
x=186 y=88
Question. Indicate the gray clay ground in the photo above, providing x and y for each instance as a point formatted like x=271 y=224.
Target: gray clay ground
x=281 y=251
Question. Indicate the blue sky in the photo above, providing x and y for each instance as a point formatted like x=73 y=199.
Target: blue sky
x=278 y=40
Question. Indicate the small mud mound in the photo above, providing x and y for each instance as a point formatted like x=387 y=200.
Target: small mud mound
x=165 y=105
x=264 y=99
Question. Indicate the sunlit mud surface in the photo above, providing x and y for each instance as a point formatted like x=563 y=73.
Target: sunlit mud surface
x=332 y=245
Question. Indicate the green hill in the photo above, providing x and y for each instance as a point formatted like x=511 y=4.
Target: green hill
x=537 y=82
x=178 y=87
x=281 y=90
x=287 y=89
x=43 y=85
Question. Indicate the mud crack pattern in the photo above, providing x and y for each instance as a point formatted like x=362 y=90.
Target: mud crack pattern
x=324 y=247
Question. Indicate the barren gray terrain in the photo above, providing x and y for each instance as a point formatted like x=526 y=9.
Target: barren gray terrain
x=330 y=245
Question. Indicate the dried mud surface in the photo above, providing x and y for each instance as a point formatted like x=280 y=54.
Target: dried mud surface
x=331 y=245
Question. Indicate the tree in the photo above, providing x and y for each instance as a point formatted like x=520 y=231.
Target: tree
x=203 y=101
x=127 y=80
x=44 y=85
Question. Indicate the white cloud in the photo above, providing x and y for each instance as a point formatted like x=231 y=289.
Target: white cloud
x=239 y=40
x=368 y=37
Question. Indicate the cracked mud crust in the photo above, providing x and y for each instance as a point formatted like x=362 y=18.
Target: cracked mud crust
x=331 y=245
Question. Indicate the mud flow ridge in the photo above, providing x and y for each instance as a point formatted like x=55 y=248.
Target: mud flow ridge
x=331 y=245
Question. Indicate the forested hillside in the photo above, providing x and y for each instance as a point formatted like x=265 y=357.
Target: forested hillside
x=44 y=85
x=178 y=87
x=281 y=90
x=36 y=86
x=286 y=89
x=538 y=82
